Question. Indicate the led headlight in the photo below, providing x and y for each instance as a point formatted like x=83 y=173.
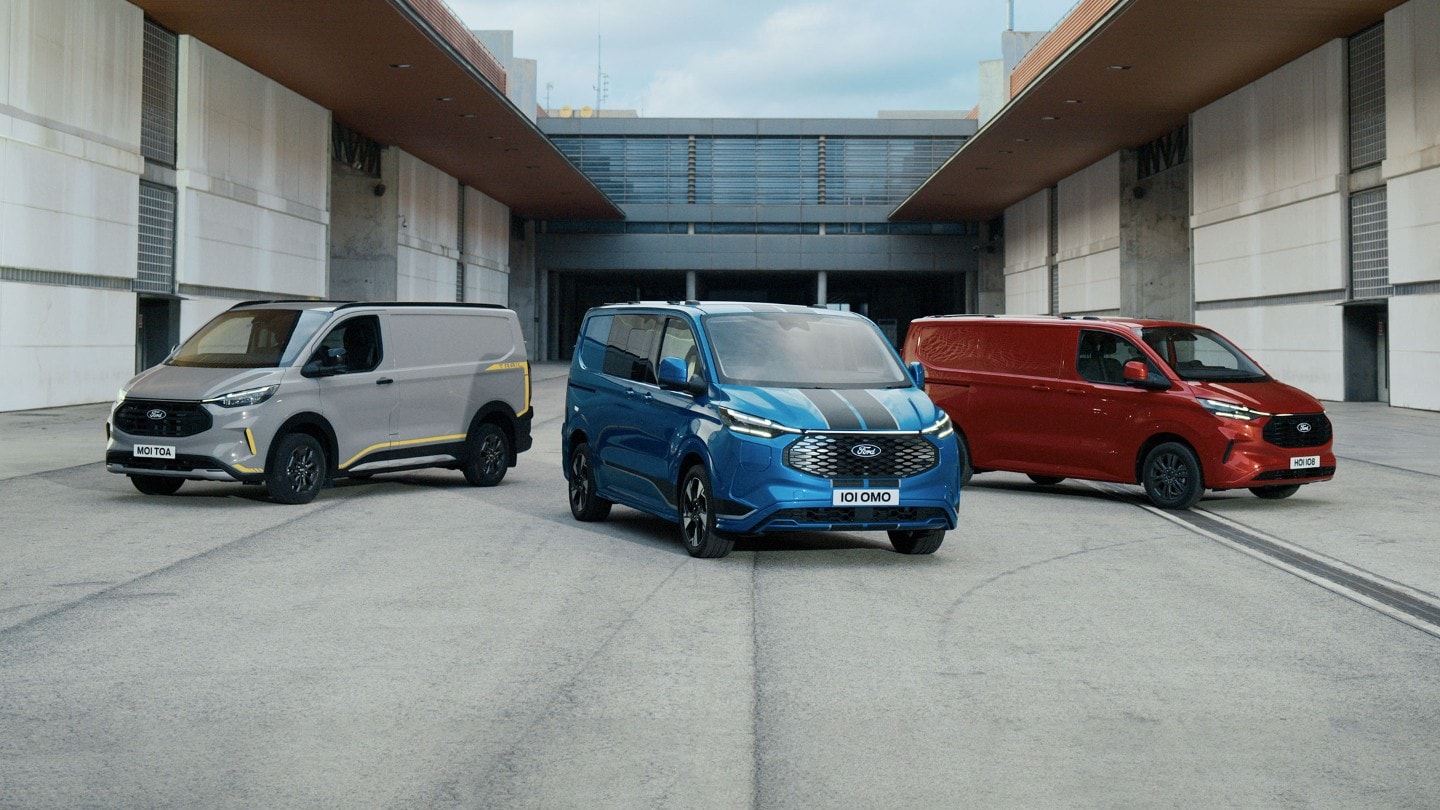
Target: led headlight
x=243 y=399
x=940 y=429
x=1231 y=410
x=752 y=425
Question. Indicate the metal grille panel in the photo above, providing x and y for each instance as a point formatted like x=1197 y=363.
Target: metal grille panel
x=155 y=269
x=157 y=96
x=149 y=417
x=1369 y=245
x=828 y=455
x=1367 y=97
x=1299 y=430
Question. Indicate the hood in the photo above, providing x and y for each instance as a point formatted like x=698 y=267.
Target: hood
x=837 y=408
x=1271 y=397
x=189 y=383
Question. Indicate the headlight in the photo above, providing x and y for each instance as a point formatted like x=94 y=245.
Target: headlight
x=752 y=425
x=242 y=399
x=940 y=429
x=1231 y=410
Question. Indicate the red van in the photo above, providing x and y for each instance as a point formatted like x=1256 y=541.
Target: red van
x=1172 y=406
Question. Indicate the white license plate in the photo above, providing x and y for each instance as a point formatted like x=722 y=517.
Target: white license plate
x=865 y=497
x=154 y=451
x=1305 y=463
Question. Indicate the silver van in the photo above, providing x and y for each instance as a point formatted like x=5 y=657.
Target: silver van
x=292 y=394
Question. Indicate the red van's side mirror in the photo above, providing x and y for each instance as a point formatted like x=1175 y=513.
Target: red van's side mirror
x=1138 y=375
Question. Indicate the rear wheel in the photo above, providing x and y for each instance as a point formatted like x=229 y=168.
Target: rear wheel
x=1047 y=480
x=584 y=503
x=157 y=484
x=489 y=456
x=917 y=541
x=299 y=469
x=1171 y=476
x=697 y=516
x=1276 y=492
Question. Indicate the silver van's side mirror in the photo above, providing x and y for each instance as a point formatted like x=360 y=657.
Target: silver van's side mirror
x=672 y=377
x=1137 y=374
x=324 y=363
x=917 y=373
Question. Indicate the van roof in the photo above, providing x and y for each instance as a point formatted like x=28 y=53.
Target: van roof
x=1059 y=320
x=331 y=306
x=723 y=307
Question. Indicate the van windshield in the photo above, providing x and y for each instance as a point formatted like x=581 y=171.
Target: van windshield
x=1200 y=355
x=802 y=350
x=250 y=338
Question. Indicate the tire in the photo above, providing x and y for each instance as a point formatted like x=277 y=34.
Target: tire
x=966 y=471
x=1171 y=476
x=489 y=456
x=1277 y=492
x=917 y=541
x=584 y=503
x=157 y=484
x=697 y=516
x=1047 y=480
x=298 y=471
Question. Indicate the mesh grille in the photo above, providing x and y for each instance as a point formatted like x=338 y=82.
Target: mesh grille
x=1367 y=97
x=829 y=455
x=1369 y=245
x=1288 y=475
x=155 y=267
x=157 y=95
x=177 y=419
x=1301 y=430
x=859 y=515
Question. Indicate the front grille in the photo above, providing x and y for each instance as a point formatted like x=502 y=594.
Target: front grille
x=1300 y=430
x=1285 y=475
x=857 y=516
x=829 y=455
x=177 y=419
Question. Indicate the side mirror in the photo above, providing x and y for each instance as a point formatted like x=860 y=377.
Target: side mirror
x=917 y=373
x=324 y=363
x=1138 y=375
x=672 y=377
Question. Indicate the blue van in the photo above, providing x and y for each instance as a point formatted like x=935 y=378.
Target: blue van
x=738 y=418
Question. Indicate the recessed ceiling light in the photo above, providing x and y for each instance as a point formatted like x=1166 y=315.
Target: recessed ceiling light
x=444 y=98
x=1118 y=67
x=1022 y=140
x=1007 y=151
x=1049 y=118
x=400 y=65
x=1073 y=101
x=467 y=115
x=512 y=149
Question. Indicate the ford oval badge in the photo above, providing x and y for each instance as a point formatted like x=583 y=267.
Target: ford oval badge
x=155 y=413
x=1303 y=427
x=865 y=451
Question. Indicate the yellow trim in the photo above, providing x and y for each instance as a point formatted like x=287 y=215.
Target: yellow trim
x=250 y=440
x=249 y=469
x=520 y=364
x=403 y=443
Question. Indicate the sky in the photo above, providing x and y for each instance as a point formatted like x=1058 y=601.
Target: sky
x=752 y=59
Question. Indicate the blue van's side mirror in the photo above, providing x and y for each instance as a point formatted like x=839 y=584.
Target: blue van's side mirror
x=917 y=373
x=672 y=376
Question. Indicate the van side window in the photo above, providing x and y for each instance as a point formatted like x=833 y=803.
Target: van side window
x=591 y=346
x=630 y=349
x=360 y=339
x=1103 y=355
x=680 y=342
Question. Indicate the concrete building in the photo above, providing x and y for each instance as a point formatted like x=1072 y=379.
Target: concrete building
x=163 y=160
x=780 y=210
x=1271 y=168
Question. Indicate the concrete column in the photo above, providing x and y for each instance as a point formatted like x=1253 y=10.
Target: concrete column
x=1156 y=266
x=690 y=285
x=821 y=281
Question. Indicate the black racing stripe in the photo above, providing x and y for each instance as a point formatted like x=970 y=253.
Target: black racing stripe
x=876 y=415
x=833 y=409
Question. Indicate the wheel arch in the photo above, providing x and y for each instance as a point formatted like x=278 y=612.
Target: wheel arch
x=500 y=414
x=318 y=427
x=1157 y=440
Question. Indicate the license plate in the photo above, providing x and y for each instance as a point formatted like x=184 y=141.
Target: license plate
x=154 y=451
x=1305 y=463
x=865 y=497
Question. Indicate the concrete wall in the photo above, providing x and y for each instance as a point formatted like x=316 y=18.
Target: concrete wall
x=1269 y=218
x=1412 y=172
x=1089 y=239
x=488 y=251
x=69 y=183
x=1027 y=245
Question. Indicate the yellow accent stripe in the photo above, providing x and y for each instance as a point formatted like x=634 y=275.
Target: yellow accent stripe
x=520 y=364
x=250 y=440
x=404 y=443
x=249 y=469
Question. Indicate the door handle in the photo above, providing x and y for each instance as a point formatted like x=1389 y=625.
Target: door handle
x=1075 y=391
x=384 y=381
x=1039 y=388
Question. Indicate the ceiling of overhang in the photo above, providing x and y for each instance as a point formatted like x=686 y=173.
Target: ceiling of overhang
x=341 y=55
x=1180 y=54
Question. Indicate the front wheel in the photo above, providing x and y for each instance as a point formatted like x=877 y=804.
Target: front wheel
x=489 y=456
x=963 y=448
x=157 y=484
x=1171 y=476
x=697 y=516
x=584 y=503
x=1277 y=492
x=299 y=469
x=917 y=541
